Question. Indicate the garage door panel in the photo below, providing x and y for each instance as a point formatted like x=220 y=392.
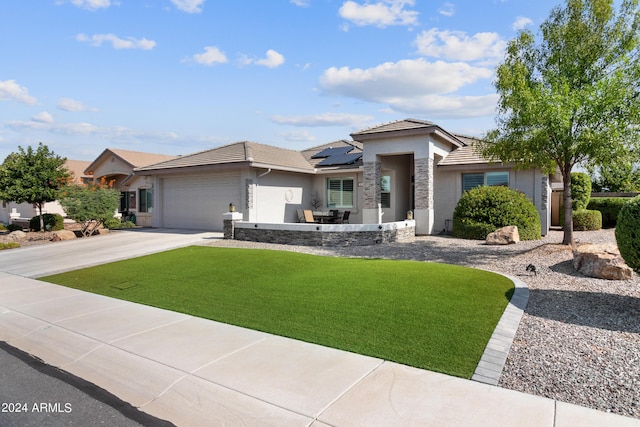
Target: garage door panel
x=198 y=201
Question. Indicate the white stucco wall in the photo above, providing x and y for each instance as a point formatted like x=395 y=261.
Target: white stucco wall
x=277 y=196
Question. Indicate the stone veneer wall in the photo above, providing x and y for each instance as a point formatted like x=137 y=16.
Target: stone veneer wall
x=324 y=235
x=423 y=183
x=372 y=174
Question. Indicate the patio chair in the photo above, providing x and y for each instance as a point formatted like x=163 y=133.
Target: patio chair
x=345 y=218
x=300 y=215
x=333 y=215
x=308 y=216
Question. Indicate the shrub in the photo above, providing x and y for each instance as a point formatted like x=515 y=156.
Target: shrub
x=609 y=207
x=580 y=190
x=10 y=245
x=585 y=220
x=52 y=222
x=2 y=227
x=112 y=223
x=483 y=210
x=628 y=234
x=14 y=227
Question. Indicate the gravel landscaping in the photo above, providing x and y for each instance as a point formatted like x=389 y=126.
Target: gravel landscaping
x=579 y=339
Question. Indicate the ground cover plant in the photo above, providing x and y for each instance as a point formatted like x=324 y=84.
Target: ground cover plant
x=428 y=315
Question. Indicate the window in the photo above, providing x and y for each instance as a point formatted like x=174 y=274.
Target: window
x=385 y=191
x=146 y=199
x=340 y=192
x=472 y=180
x=127 y=201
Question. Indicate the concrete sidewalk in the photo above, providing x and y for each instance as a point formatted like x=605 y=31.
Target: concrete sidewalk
x=195 y=372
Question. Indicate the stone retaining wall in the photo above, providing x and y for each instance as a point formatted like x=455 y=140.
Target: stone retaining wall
x=322 y=234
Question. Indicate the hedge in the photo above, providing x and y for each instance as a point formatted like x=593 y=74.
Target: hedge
x=586 y=220
x=609 y=207
x=628 y=234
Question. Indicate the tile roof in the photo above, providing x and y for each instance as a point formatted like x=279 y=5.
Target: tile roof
x=77 y=168
x=467 y=155
x=310 y=152
x=133 y=158
x=398 y=125
x=256 y=154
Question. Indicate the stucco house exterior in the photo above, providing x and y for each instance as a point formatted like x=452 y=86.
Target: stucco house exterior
x=379 y=176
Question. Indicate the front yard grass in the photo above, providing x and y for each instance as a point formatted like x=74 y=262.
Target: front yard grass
x=432 y=316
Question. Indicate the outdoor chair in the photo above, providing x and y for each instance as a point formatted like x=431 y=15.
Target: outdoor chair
x=345 y=218
x=308 y=216
x=333 y=215
x=300 y=215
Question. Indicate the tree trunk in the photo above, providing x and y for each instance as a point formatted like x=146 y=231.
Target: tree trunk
x=568 y=211
x=41 y=218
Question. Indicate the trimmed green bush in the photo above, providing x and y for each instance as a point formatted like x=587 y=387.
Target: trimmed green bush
x=609 y=207
x=116 y=223
x=628 y=233
x=14 y=227
x=580 y=190
x=52 y=222
x=586 y=220
x=2 y=227
x=483 y=210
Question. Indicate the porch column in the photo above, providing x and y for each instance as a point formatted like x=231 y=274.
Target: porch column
x=372 y=174
x=423 y=212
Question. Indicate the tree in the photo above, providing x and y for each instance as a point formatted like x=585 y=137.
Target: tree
x=619 y=175
x=90 y=205
x=33 y=177
x=571 y=96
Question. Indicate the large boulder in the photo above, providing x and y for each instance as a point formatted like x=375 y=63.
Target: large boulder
x=17 y=236
x=601 y=261
x=63 y=235
x=504 y=236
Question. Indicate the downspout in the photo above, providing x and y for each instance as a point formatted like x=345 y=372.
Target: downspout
x=265 y=173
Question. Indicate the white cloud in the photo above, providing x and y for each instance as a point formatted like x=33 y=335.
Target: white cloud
x=117 y=42
x=414 y=86
x=72 y=105
x=447 y=9
x=272 y=59
x=382 y=13
x=211 y=55
x=91 y=4
x=521 y=23
x=43 y=117
x=12 y=91
x=321 y=120
x=62 y=128
x=189 y=6
x=301 y=3
x=458 y=46
x=298 y=136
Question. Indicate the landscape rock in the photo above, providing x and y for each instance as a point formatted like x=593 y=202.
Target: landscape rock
x=601 y=261
x=17 y=235
x=63 y=235
x=504 y=236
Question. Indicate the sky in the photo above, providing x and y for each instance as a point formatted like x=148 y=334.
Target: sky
x=181 y=76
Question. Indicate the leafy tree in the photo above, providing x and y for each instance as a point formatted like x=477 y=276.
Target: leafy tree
x=619 y=175
x=90 y=205
x=33 y=177
x=570 y=96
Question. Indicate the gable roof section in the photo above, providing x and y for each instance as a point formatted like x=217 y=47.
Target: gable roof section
x=467 y=155
x=250 y=153
x=77 y=168
x=354 y=147
x=406 y=127
x=132 y=158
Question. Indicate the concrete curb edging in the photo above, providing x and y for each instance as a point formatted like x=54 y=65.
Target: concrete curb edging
x=495 y=354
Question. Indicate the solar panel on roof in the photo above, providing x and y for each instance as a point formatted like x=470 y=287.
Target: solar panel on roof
x=332 y=151
x=342 y=159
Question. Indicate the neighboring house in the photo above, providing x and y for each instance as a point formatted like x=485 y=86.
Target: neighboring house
x=24 y=211
x=407 y=165
x=136 y=192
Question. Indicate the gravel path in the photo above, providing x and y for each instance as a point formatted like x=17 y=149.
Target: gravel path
x=579 y=339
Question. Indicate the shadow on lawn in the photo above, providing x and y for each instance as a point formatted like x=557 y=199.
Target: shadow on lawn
x=593 y=309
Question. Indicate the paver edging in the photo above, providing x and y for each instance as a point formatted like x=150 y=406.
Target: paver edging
x=495 y=354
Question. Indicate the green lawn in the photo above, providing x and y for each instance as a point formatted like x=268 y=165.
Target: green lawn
x=433 y=316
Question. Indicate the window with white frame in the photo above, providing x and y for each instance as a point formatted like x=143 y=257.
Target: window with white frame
x=472 y=180
x=146 y=199
x=340 y=192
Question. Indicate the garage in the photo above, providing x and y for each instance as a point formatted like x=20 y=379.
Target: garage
x=197 y=201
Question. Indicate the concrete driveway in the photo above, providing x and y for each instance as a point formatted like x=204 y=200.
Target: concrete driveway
x=37 y=261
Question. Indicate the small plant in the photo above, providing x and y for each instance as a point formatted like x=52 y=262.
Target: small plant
x=2 y=227
x=14 y=227
x=316 y=201
x=112 y=223
x=483 y=210
x=10 y=245
x=52 y=222
x=628 y=234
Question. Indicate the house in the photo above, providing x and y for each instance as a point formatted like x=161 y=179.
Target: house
x=11 y=211
x=380 y=175
x=116 y=166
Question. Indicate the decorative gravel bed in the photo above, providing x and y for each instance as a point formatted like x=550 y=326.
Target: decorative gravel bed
x=579 y=339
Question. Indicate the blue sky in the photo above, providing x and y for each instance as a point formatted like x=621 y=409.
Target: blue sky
x=180 y=76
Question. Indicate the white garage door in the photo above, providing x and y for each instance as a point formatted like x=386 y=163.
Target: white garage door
x=198 y=201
